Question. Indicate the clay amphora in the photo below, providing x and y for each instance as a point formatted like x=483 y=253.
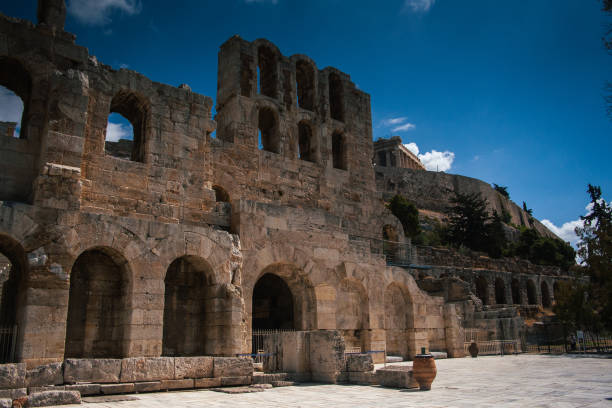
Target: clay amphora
x=473 y=349
x=424 y=370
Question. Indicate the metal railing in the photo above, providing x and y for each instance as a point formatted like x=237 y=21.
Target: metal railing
x=488 y=346
x=8 y=340
x=395 y=253
x=258 y=345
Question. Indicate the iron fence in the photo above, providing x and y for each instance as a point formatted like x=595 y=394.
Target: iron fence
x=8 y=340
x=488 y=346
x=258 y=342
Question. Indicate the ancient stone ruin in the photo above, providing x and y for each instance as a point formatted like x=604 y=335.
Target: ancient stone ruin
x=128 y=260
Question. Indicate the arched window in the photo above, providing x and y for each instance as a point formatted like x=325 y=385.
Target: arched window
x=221 y=195
x=266 y=71
x=306 y=142
x=545 y=294
x=482 y=289
x=304 y=77
x=272 y=304
x=500 y=291
x=339 y=158
x=516 y=292
x=15 y=89
x=532 y=297
x=336 y=97
x=126 y=127
x=268 y=131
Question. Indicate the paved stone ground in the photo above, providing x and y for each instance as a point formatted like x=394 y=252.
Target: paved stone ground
x=509 y=381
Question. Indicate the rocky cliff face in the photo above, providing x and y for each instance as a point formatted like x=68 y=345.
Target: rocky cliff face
x=432 y=191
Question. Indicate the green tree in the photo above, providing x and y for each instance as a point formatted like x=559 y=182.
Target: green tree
x=495 y=237
x=407 y=213
x=501 y=190
x=595 y=249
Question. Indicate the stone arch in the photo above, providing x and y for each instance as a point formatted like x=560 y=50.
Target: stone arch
x=482 y=289
x=336 y=97
x=307 y=142
x=272 y=304
x=305 y=84
x=532 y=297
x=267 y=125
x=98 y=308
x=187 y=303
x=546 y=301
x=516 y=292
x=399 y=320
x=135 y=108
x=339 y=150
x=352 y=312
x=500 y=291
x=267 y=66
x=303 y=300
x=221 y=195
x=13 y=278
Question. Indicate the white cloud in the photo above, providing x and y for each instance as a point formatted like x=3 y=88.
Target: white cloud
x=418 y=6
x=403 y=128
x=565 y=231
x=117 y=131
x=97 y=12
x=394 y=121
x=434 y=160
x=412 y=147
x=437 y=161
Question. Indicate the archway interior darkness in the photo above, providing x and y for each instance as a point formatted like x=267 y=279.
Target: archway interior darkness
x=304 y=77
x=306 y=146
x=185 y=316
x=267 y=131
x=96 y=306
x=336 y=97
x=482 y=290
x=532 y=298
x=500 y=292
x=266 y=72
x=338 y=151
x=272 y=304
x=516 y=292
x=545 y=295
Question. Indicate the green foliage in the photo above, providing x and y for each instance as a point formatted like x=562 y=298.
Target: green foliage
x=434 y=236
x=573 y=306
x=527 y=210
x=501 y=190
x=543 y=250
x=407 y=213
x=471 y=226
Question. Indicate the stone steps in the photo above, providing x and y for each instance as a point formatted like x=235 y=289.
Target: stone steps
x=268 y=378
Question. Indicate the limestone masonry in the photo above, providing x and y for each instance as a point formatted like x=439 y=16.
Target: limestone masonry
x=127 y=256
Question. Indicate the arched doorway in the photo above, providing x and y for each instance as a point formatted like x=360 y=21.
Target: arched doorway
x=273 y=304
x=545 y=294
x=352 y=312
x=532 y=297
x=399 y=319
x=500 y=291
x=185 y=307
x=482 y=289
x=516 y=292
x=13 y=266
x=97 y=306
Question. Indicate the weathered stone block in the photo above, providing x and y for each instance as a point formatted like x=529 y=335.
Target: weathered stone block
x=84 y=389
x=277 y=384
x=147 y=369
x=148 y=386
x=13 y=393
x=396 y=377
x=232 y=367
x=183 y=384
x=100 y=370
x=48 y=374
x=193 y=367
x=359 y=363
x=207 y=382
x=242 y=380
x=32 y=390
x=12 y=375
x=49 y=398
x=362 y=378
x=117 y=388
x=6 y=403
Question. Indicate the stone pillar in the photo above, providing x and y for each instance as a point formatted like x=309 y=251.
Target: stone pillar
x=374 y=340
x=52 y=13
x=453 y=332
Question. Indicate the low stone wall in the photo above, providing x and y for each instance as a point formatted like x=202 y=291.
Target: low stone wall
x=118 y=376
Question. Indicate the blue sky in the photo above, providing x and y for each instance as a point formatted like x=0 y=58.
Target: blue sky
x=510 y=92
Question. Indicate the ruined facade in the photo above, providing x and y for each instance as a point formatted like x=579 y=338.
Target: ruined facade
x=178 y=243
x=392 y=153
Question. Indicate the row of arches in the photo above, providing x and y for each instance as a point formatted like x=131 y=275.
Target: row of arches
x=305 y=82
x=517 y=296
x=307 y=142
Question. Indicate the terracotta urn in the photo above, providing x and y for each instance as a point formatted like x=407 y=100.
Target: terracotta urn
x=424 y=370
x=473 y=349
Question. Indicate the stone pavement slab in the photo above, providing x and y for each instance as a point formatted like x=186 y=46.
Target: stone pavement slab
x=509 y=381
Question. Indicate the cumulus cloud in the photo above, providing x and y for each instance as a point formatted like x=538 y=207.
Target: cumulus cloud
x=418 y=6
x=434 y=160
x=97 y=12
x=565 y=231
x=117 y=131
